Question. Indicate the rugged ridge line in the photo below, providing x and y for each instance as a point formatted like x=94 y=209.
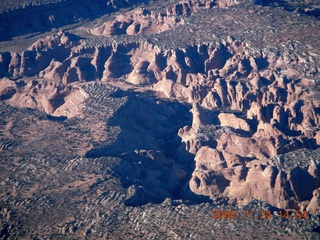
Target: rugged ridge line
x=251 y=108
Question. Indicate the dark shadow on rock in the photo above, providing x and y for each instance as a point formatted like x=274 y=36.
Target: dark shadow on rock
x=317 y=229
x=56 y=119
x=302 y=183
x=193 y=198
x=153 y=165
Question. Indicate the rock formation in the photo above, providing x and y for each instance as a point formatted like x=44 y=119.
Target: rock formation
x=251 y=107
x=53 y=98
x=186 y=8
x=313 y=207
x=144 y=22
x=139 y=21
x=277 y=115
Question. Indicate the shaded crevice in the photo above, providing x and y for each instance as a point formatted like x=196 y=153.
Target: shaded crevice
x=153 y=166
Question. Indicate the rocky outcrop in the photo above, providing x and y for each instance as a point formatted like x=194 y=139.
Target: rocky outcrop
x=224 y=173
x=53 y=98
x=231 y=120
x=186 y=8
x=140 y=21
x=40 y=55
x=144 y=22
x=227 y=3
x=222 y=69
x=276 y=110
x=133 y=129
x=250 y=106
x=314 y=206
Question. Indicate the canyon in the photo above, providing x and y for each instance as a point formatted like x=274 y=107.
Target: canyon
x=187 y=101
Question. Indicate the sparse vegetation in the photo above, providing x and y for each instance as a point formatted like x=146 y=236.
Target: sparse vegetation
x=119 y=170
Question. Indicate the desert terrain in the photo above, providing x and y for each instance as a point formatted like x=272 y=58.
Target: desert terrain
x=176 y=119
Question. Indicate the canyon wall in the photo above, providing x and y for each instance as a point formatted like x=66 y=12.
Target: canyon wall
x=250 y=107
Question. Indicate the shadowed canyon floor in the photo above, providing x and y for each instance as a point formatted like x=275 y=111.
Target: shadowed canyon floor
x=127 y=119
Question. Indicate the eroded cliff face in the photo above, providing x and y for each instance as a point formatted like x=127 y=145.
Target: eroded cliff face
x=53 y=98
x=249 y=106
x=139 y=21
